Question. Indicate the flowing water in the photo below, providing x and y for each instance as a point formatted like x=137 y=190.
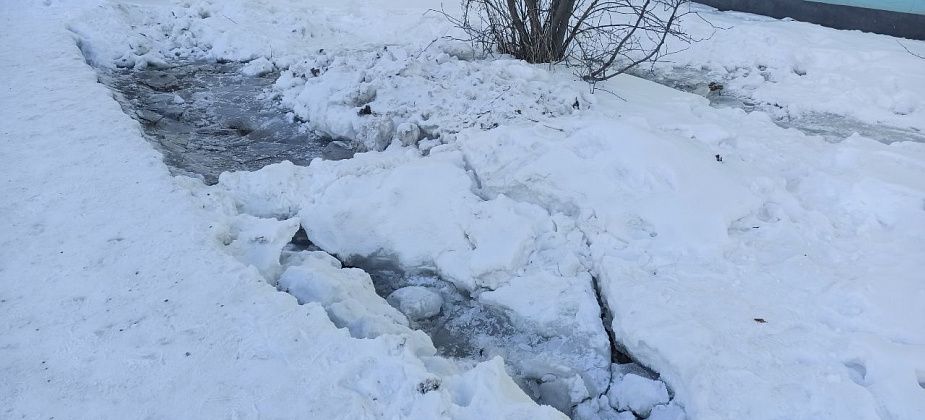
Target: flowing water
x=207 y=118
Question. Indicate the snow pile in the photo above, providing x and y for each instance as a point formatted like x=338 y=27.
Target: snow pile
x=258 y=67
x=369 y=96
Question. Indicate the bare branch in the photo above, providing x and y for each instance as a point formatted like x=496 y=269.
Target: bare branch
x=910 y=51
x=600 y=38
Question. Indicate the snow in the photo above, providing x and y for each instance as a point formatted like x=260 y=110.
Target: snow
x=804 y=68
x=784 y=228
x=416 y=302
x=667 y=412
x=349 y=298
x=762 y=273
x=258 y=67
x=636 y=393
x=330 y=89
x=259 y=242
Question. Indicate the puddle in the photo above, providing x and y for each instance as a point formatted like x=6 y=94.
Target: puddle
x=832 y=127
x=208 y=118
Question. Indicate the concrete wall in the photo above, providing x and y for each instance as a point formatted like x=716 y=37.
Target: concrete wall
x=903 y=6
x=902 y=18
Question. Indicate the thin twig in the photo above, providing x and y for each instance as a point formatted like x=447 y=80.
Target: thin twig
x=910 y=51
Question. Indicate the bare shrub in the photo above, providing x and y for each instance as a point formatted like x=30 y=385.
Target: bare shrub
x=600 y=38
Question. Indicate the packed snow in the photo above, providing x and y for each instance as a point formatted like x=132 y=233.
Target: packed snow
x=749 y=271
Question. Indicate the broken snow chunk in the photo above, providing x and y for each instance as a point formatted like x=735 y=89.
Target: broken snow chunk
x=671 y=411
x=636 y=393
x=599 y=409
x=259 y=242
x=258 y=67
x=408 y=133
x=416 y=302
x=346 y=293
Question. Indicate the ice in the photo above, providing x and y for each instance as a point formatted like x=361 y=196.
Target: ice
x=416 y=302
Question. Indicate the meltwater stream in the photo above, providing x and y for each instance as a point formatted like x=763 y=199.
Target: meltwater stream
x=207 y=118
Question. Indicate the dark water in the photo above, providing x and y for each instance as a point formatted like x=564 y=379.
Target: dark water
x=207 y=118
x=465 y=328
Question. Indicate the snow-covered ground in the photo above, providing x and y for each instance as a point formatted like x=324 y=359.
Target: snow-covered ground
x=761 y=272
x=119 y=302
x=795 y=70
